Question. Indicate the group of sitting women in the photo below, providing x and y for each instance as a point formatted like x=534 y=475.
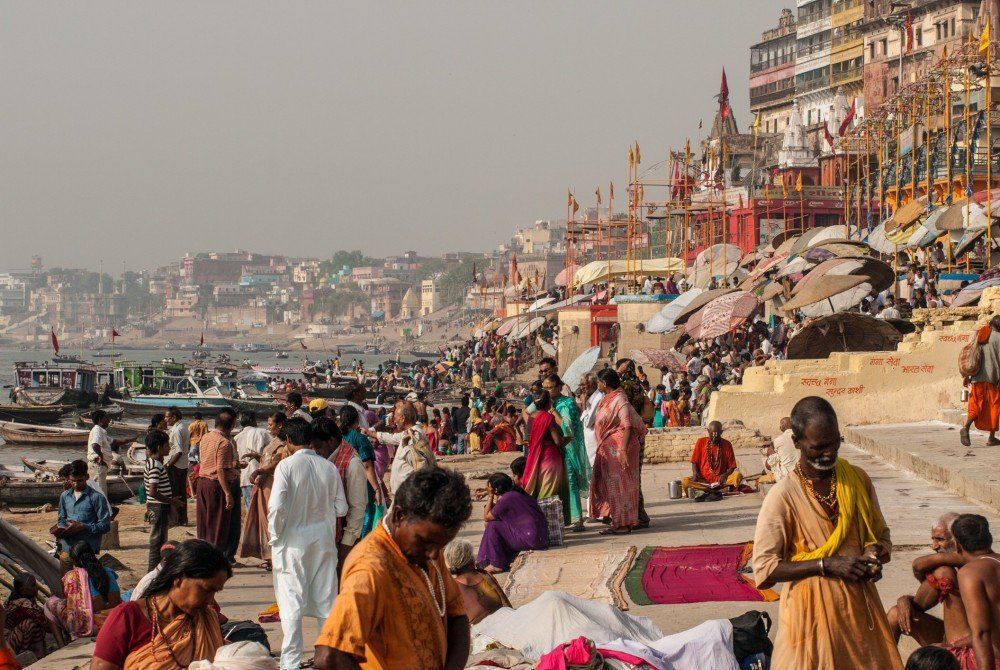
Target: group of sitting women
x=174 y=623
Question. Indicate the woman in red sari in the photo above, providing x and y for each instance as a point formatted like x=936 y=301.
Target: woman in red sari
x=545 y=471
x=614 y=488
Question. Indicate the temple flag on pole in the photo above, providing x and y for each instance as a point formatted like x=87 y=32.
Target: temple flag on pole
x=55 y=341
x=303 y=343
x=846 y=123
x=576 y=206
x=569 y=198
x=598 y=194
x=798 y=183
x=909 y=32
x=984 y=39
x=756 y=124
x=828 y=136
x=631 y=156
x=638 y=156
x=474 y=272
x=611 y=190
x=201 y=342
x=114 y=334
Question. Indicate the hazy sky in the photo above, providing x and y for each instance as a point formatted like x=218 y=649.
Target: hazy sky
x=141 y=130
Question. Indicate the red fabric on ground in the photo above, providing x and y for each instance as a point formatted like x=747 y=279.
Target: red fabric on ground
x=697 y=575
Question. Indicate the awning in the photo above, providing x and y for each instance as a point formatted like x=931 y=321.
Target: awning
x=598 y=271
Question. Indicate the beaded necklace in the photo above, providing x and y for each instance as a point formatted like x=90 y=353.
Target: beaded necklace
x=441 y=608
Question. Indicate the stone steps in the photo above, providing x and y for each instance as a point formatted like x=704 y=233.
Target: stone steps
x=932 y=451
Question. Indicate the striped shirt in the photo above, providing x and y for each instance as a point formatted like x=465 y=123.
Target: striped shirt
x=155 y=478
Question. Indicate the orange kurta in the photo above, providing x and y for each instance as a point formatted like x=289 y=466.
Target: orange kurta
x=823 y=622
x=984 y=406
x=385 y=614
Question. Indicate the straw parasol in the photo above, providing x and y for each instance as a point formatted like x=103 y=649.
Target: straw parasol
x=906 y=214
x=848 y=331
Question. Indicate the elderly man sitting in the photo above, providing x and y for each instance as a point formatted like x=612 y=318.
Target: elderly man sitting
x=938 y=585
x=713 y=467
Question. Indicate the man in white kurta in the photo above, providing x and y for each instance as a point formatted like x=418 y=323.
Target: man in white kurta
x=306 y=499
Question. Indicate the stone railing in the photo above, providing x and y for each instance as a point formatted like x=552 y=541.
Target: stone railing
x=674 y=445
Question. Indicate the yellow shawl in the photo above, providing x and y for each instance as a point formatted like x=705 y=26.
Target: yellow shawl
x=855 y=505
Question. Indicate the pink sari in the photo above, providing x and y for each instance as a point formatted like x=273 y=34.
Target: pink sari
x=545 y=470
x=75 y=612
x=614 y=488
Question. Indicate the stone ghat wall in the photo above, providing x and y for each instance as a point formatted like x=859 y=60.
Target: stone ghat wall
x=674 y=445
x=912 y=383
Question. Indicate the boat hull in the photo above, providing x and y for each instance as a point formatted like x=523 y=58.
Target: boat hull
x=34 y=414
x=149 y=409
x=29 y=493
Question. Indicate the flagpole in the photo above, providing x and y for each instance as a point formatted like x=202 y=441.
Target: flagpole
x=989 y=146
x=686 y=205
x=968 y=157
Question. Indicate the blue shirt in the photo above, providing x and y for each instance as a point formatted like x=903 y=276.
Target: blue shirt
x=92 y=510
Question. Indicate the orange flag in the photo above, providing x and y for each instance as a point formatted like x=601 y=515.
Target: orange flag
x=638 y=156
x=569 y=198
x=611 y=190
x=576 y=206
x=598 y=194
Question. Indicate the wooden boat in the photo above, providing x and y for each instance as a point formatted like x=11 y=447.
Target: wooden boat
x=262 y=406
x=86 y=418
x=34 y=413
x=25 y=433
x=207 y=409
x=27 y=492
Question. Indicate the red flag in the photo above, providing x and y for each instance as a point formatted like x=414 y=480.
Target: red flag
x=699 y=123
x=909 y=32
x=850 y=117
x=201 y=342
x=114 y=334
x=303 y=343
x=55 y=342
x=724 y=96
x=828 y=136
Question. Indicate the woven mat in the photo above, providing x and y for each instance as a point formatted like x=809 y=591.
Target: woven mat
x=592 y=574
x=695 y=574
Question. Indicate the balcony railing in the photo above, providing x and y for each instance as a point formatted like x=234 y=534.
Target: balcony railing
x=811 y=85
x=768 y=64
x=844 y=5
x=853 y=74
x=814 y=49
x=764 y=98
x=809 y=17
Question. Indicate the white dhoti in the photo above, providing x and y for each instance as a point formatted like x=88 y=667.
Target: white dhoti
x=99 y=478
x=305 y=585
x=306 y=499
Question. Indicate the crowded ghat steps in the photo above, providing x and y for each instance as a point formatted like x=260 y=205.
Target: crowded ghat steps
x=898 y=411
x=904 y=407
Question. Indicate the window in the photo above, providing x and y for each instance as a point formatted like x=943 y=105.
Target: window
x=953 y=26
x=937 y=29
x=885 y=46
x=871 y=51
x=920 y=37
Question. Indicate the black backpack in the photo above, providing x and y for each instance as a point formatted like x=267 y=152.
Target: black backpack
x=750 y=631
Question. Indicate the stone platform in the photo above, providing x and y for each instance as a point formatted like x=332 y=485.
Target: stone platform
x=931 y=450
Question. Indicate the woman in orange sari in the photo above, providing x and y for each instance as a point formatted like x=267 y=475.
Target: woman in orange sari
x=614 y=488
x=671 y=410
x=176 y=623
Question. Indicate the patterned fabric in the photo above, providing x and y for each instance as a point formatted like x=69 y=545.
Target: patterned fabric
x=574 y=455
x=75 y=611
x=614 y=490
x=545 y=469
x=25 y=626
x=553 y=509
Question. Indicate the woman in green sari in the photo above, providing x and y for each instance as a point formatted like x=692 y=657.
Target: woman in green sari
x=575 y=453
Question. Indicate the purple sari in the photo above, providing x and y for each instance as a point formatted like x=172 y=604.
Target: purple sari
x=518 y=525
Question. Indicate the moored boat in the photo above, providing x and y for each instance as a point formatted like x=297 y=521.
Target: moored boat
x=262 y=406
x=24 y=433
x=34 y=414
x=156 y=404
x=27 y=492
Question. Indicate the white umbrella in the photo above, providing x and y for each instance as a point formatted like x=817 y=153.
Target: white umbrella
x=719 y=255
x=541 y=302
x=663 y=321
x=583 y=364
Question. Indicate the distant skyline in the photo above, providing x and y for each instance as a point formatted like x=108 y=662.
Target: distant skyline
x=138 y=130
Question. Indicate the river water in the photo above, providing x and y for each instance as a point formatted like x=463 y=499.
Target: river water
x=11 y=455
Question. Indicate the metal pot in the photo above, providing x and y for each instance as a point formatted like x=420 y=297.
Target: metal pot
x=674 y=489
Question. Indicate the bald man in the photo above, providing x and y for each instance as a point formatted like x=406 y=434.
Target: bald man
x=938 y=585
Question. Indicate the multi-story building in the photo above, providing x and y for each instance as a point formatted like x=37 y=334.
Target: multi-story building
x=430 y=296
x=772 y=74
x=847 y=19
x=366 y=273
x=936 y=25
x=814 y=37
